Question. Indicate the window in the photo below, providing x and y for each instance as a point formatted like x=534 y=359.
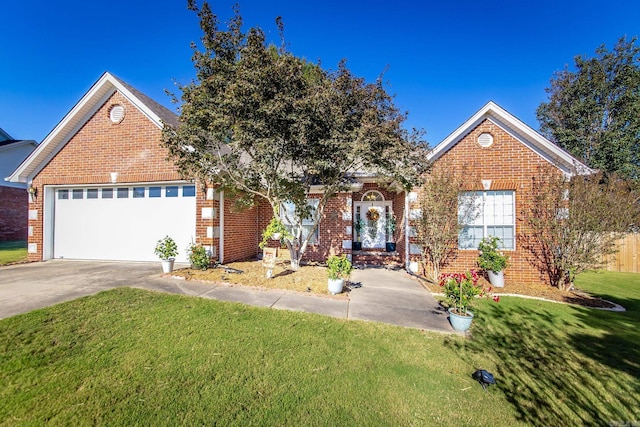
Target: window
x=107 y=193
x=123 y=193
x=288 y=218
x=189 y=191
x=171 y=191
x=63 y=194
x=77 y=194
x=92 y=193
x=494 y=216
x=155 y=191
x=138 y=192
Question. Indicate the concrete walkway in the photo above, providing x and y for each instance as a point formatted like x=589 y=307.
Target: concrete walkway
x=379 y=295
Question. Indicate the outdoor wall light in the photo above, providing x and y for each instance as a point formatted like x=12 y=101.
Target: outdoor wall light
x=114 y=177
x=32 y=192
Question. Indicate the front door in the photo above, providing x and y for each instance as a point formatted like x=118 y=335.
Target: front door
x=373 y=233
x=370 y=220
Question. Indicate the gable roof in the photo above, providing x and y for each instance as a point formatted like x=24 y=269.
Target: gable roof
x=520 y=131
x=84 y=109
x=12 y=153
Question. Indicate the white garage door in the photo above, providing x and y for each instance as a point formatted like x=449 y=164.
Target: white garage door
x=123 y=223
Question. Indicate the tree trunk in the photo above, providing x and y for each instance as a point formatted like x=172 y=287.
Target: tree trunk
x=294 y=255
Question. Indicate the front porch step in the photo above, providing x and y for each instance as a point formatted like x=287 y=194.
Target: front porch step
x=376 y=258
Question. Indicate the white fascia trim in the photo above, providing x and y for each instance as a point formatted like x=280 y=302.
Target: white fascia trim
x=62 y=142
x=17 y=144
x=95 y=97
x=520 y=130
x=136 y=102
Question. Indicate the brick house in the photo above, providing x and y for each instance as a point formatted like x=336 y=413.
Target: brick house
x=105 y=190
x=13 y=196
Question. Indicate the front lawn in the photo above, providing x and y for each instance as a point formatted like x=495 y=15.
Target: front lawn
x=129 y=356
x=13 y=251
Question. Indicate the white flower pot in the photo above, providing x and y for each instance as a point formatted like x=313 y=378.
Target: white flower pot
x=496 y=278
x=167 y=265
x=335 y=286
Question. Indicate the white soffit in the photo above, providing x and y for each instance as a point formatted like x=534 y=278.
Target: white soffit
x=519 y=130
x=97 y=95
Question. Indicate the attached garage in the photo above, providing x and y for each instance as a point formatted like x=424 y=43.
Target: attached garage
x=122 y=222
x=102 y=184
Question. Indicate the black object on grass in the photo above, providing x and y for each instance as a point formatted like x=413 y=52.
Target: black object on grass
x=483 y=377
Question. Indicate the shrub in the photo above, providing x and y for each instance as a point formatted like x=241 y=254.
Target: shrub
x=339 y=267
x=166 y=248
x=490 y=258
x=198 y=257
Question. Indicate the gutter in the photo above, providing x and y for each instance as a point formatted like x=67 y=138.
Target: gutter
x=221 y=237
x=406 y=231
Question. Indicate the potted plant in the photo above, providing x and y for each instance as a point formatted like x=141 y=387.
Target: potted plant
x=492 y=261
x=167 y=250
x=276 y=230
x=198 y=257
x=391 y=229
x=460 y=289
x=338 y=269
x=358 y=226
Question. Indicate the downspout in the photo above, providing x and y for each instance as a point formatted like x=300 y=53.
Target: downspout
x=406 y=231
x=221 y=237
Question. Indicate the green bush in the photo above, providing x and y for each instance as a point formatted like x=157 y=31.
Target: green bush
x=166 y=248
x=339 y=267
x=490 y=258
x=198 y=257
x=275 y=226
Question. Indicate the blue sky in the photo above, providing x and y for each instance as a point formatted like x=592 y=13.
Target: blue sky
x=444 y=59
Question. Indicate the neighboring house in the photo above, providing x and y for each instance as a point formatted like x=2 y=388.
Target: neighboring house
x=13 y=196
x=105 y=190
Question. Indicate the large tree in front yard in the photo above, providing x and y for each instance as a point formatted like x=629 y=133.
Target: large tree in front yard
x=573 y=224
x=593 y=111
x=267 y=125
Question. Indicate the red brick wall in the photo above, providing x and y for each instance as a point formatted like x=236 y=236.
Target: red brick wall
x=510 y=165
x=203 y=224
x=14 y=204
x=131 y=148
x=332 y=228
x=241 y=232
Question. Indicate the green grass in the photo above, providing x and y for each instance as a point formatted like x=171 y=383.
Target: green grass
x=13 y=251
x=131 y=357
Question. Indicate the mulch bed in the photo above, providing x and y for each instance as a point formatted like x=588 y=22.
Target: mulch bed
x=541 y=291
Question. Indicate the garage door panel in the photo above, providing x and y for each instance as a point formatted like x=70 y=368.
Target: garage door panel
x=122 y=228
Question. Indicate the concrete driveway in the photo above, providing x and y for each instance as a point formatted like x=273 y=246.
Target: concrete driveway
x=384 y=296
x=26 y=287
